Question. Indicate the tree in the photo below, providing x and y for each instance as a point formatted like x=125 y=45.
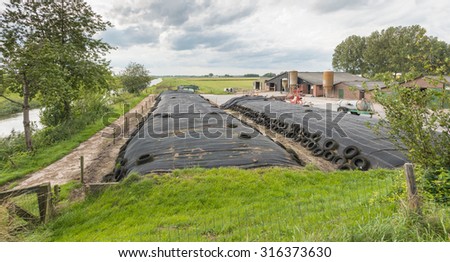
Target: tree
x=135 y=77
x=395 y=50
x=251 y=75
x=269 y=75
x=349 y=55
x=49 y=49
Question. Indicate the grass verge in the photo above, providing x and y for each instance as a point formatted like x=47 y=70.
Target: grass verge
x=229 y=204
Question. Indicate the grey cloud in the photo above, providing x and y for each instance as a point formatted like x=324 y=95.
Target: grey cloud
x=133 y=35
x=200 y=40
x=170 y=13
x=173 y=12
x=223 y=18
x=329 y=6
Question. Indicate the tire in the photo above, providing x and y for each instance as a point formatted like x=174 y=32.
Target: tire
x=318 y=152
x=350 y=152
x=345 y=167
x=330 y=144
x=311 y=145
x=232 y=125
x=339 y=160
x=298 y=139
x=361 y=163
x=146 y=158
x=245 y=136
x=290 y=135
x=328 y=155
x=306 y=134
x=305 y=141
x=342 y=109
x=316 y=137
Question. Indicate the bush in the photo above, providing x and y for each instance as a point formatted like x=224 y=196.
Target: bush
x=436 y=182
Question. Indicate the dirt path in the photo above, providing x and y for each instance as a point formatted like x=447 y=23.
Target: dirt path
x=99 y=153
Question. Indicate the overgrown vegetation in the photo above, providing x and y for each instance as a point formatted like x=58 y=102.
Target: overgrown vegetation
x=229 y=204
x=416 y=121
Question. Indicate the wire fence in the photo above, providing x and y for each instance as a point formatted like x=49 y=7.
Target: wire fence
x=322 y=213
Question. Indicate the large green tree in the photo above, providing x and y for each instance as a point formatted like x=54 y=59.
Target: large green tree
x=49 y=51
x=135 y=77
x=395 y=50
x=349 y=55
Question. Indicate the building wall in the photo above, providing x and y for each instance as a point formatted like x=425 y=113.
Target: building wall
x=349 y=93
x=277 y=81
x=318 y=91
x=423 y=83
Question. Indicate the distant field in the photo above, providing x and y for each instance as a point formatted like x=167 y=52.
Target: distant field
x=210 y=85
x=229 y=204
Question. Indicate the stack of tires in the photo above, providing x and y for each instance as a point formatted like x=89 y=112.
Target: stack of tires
x=313 y=128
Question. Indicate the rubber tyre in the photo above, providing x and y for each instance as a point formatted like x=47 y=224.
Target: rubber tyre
x=328 y=155
x=345 y=167
x=316 y=137
x=146 y=158
x=330 y=144
x=245 y=136
x=350 y=152
x=361 y=163
x=339 y=160
x=342 y=109
x=311 y=145
x=305 y=141
x=318 y=152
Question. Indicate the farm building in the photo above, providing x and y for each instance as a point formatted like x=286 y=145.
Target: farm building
x=429 y=82
x=324 y=84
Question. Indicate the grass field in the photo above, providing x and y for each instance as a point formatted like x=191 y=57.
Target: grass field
x=230 y=204
x=209 y=85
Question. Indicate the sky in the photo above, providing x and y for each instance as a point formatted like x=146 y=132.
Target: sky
x=198 y=37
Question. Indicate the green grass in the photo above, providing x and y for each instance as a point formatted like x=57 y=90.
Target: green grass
x=208 y=85
x=30 y=162
x=229 y=204
x=8 y=108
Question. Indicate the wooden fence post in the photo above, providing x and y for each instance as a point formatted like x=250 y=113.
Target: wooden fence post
x=413 y=197
x=125 y=129
x=82 y=169
x=44 y=194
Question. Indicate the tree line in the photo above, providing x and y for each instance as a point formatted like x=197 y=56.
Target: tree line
x=396 y=50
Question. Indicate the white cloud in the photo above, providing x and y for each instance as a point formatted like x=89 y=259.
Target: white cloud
x=242 y=36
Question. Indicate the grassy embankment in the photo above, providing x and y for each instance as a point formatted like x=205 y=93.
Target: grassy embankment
x=208 y=85
x=228 y=204
x=21 y=164
x=8 y=108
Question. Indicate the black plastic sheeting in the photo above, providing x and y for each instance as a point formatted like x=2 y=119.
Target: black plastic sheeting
x=344 y=139
x=185 y=130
